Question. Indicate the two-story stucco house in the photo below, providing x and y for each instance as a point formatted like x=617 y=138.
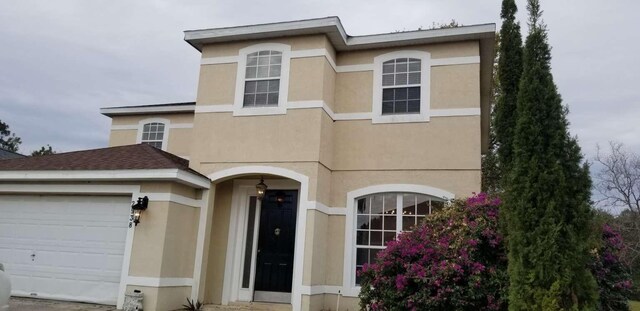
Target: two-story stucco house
x=308 y=150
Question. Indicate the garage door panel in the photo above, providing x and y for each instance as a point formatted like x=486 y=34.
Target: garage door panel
x=78 y=243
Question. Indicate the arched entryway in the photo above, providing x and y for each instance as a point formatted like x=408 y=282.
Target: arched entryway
x=256 y=246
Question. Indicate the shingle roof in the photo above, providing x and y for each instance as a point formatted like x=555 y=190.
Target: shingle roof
x=6 y=154
x=130 y=157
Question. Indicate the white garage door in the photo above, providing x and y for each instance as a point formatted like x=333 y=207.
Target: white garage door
x=64 y=247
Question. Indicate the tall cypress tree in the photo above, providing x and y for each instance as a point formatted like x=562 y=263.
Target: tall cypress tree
x=509 y=72
x=548 y=211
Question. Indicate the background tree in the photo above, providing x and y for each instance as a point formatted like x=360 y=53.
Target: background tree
x=508 y=73
x=43 y=151
x=451 y=24
x=548 y=193
x=618 y=182
x=8 y=140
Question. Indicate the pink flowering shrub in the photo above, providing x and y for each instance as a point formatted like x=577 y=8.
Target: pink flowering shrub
x=455 y=260
x=614 y=280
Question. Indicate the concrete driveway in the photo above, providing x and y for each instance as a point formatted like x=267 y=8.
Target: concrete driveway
x=31 y=304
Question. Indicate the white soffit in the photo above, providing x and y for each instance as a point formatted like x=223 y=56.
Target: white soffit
x=332 y=27
x=113 y=111
x=177 y=175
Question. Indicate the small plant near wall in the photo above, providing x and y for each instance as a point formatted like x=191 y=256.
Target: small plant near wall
x=192 y=305
x=455 y=260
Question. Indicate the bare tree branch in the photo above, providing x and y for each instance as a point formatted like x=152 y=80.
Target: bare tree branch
x=618 y=183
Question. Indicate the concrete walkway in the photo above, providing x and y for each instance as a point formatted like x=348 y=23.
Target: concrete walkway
x=32 y=304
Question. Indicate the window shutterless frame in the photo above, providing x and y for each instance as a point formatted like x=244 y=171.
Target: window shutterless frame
x=159 y=137
x=349 y=287
x=276 y=86
x=417 y=87
x=380 y=217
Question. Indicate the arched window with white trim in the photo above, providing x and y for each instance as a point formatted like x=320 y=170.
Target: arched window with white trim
x=381 y=217
x=401 y=87
x=262 y=79
x=153 y=134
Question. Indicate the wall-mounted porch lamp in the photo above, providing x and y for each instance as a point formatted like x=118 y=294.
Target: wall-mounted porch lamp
x=138 y=208
x=261 y=188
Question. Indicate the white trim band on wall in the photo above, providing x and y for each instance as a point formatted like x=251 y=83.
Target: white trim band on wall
x=158 y=282
x=135 y=126
x=174 y=198
x=307 y=104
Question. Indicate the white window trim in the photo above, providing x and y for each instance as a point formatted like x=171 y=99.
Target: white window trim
x=238 y=109
x=348 y=277
x=425 y=88
x=165 y=135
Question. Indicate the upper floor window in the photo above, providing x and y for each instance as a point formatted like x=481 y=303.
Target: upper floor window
x=153 y=134
x=401 y=87
x=381 y=217
x=262 y=79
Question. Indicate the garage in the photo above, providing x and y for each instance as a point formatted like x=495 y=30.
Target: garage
x=68 y=247
x=67 y=231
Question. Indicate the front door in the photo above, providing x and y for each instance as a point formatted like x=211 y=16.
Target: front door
x=276 y=241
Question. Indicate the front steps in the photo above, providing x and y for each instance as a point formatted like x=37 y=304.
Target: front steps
x=249 y=306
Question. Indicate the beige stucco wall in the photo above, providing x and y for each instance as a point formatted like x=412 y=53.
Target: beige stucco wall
x=135 y=119
x=443 y=143
x=217 y=84
x=442 y=50
x=296 y=43
x=281 y=138
x=218 y=243
x=314 y=267
x=178 y=142
x=122 y=137
x=334 y=248
x=164 y=242
x=354 y=92
x=306 y=78
x=455 y=86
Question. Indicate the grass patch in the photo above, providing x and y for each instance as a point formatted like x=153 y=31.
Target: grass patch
x=635 y=305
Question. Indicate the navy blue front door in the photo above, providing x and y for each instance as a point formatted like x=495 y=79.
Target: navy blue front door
x=276 y=241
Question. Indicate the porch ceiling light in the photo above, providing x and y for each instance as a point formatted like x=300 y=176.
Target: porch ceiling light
x=138 y=207
x=261 y=188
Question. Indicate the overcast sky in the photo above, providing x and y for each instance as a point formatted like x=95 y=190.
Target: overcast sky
x=60 y=61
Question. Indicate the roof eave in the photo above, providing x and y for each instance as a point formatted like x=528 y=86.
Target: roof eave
x=332 y=27
x=116 y=111
x=177 y=175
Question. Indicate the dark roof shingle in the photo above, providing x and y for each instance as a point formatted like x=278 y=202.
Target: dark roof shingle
x=129 y=157
x=6 y=154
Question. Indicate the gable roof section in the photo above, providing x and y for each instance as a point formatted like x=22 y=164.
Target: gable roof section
x=123 y=162
x=332 y=28
x=6 y=154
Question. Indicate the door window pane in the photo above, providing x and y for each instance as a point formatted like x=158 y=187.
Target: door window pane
x=248 y=249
